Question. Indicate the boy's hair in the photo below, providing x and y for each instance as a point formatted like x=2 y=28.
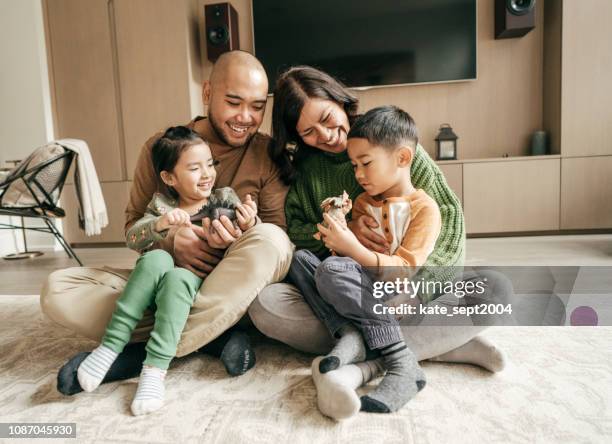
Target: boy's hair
x=387 y=126
x=169 y=147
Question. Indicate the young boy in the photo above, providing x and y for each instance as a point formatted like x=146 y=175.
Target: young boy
x=381 y=146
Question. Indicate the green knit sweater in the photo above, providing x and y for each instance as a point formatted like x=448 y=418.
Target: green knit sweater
x=321 y=175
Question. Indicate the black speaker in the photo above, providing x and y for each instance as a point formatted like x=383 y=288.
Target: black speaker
x=514 y=18
x=221 y=30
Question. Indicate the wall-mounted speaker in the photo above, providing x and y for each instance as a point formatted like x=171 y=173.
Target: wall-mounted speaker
x=221 y=30
x=514 y=18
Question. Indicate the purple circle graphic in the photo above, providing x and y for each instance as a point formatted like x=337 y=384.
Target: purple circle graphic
x=583 y=316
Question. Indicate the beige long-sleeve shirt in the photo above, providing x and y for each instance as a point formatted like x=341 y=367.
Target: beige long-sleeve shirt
x=247 y=169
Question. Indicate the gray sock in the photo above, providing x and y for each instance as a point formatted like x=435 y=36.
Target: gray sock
x=371 y=369
x=349 y=348
x=404 y=379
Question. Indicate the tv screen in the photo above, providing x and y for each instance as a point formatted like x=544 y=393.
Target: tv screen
x=369 y=43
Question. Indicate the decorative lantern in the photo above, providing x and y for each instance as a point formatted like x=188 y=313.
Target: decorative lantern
x=447 y=143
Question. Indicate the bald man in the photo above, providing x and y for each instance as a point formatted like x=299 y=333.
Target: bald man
x=235 y=266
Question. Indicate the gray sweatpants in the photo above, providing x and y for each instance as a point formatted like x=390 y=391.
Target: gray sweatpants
x=281 y=312
x=339 y=292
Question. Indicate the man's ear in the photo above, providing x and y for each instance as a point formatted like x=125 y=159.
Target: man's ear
x=404 y=156
x=206 y=92
x=167 y=178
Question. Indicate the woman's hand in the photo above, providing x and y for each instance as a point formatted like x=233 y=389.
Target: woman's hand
x=173 y=218
x=363 y=228
x=246 y=213
x=338 y=237
x=220 y=233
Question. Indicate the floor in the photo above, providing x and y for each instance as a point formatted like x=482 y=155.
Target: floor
x=557 y=386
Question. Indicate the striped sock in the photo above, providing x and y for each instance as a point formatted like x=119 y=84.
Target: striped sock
x=150 y=393
x=92 y=370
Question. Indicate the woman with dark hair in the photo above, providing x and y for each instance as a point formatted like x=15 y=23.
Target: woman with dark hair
x=311 y=118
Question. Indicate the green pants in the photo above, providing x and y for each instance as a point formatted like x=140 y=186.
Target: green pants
x=156 y=284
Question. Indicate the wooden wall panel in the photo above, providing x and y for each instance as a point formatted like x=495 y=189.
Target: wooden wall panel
x=509 y=196
x=154 y=70
x=116 y=196
x=586 y=114
x=454 y=177
x=81 y=66
x=586 y=193
x=553 y=11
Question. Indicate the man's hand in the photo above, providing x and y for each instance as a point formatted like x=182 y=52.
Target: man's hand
x=363 y=228
x=190 y=253
x=246 y=213
x=174 y=218
x=220 y=233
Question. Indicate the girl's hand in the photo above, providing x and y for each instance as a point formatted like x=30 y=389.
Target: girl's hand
x=246 y=213
x=337 y=237
x=174 y=218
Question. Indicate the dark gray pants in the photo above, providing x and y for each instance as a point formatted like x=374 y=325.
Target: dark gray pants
x=339 y=292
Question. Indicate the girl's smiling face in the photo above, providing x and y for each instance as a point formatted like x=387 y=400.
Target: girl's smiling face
x=194 y=174
x=323 y=124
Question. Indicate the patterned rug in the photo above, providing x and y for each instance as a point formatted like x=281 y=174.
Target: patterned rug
x=557 y=388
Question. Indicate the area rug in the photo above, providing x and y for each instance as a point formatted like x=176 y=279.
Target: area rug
x=557 y=388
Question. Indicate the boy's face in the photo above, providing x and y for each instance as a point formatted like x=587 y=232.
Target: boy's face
x=377 y=169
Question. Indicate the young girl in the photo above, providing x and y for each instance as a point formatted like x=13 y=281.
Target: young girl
x=185 y=165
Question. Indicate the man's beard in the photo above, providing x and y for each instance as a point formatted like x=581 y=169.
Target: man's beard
x=219 y=132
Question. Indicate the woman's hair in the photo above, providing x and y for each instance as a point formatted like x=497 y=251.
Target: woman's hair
x=293 y=88
x=168 y=148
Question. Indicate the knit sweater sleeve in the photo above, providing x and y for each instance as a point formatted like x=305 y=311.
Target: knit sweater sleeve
x=449 y=250
x=299 y=228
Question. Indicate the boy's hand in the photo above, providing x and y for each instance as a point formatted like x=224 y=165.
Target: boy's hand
x=246 y=213
x=337 y=237
x=363 y=228
x=174 y=218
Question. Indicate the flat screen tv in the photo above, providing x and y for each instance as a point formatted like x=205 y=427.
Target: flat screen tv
x=369 y=43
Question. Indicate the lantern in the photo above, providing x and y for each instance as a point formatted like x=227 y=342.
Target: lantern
x=447 y=143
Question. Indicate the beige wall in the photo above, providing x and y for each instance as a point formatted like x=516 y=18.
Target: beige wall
x=492 y=116
x=25 y=110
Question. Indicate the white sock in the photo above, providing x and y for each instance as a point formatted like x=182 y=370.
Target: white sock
x=150 y=393
x=336 y=396
x=478 y=351
x=93 y=369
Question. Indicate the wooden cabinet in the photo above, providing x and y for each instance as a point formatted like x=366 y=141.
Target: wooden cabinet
x=116 y=196
x=81 y=66
x=511 y=196
x=586 y=193
x=120 y=70
x=153 y=66
x=453 y=173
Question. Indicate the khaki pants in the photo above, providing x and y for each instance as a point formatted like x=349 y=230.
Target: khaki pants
x=83 y=299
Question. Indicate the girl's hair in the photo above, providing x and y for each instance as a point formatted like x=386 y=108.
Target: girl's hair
x=293 y=88
x=168 y=148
